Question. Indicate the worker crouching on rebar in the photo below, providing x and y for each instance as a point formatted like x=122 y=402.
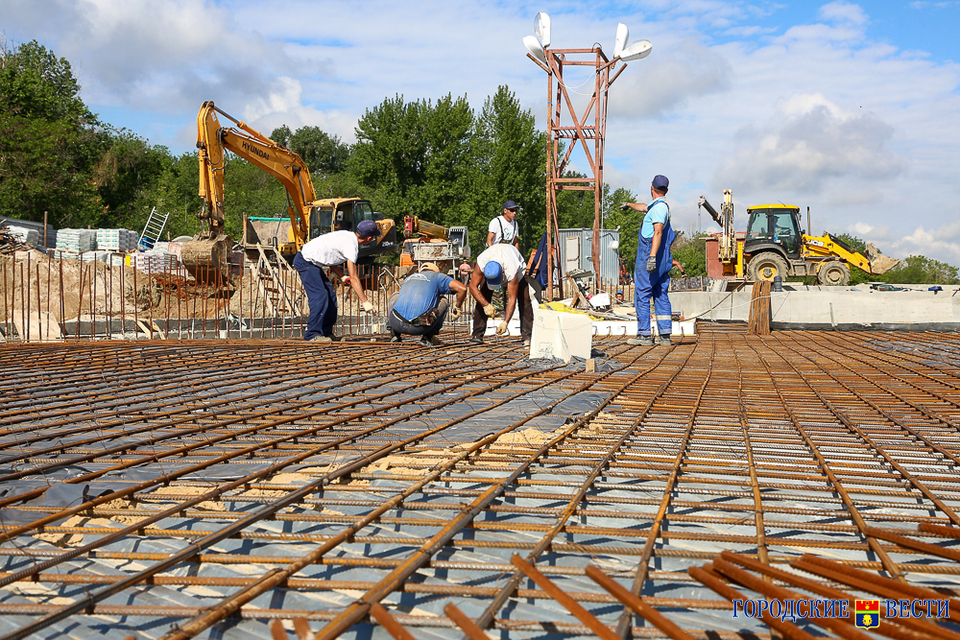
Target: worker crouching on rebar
x=331 y=250
x=651 y=275
x=422 y=299
x=500 y=265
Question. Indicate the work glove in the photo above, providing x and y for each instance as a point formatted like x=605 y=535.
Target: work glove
x=651 y=264
x=502 y=329
x=455 y=312
x=624 y=206
x=368 y=306
x=490 y=311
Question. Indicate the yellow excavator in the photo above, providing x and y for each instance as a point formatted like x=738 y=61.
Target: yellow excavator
x=207 y=252
x=775 y=245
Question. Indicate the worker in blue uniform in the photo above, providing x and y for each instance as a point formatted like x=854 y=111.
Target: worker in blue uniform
x=651 y=275
x=421 y=306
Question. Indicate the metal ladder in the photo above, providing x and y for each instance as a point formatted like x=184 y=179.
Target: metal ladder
x=271 y=276
x=152 y=230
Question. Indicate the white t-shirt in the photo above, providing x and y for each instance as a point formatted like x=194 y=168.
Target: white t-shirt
x=332 y=249
x=508 y=257
x=503 y=230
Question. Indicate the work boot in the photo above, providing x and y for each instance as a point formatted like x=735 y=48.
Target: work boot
x=664 y=340
x=476 y=340
x=394 y=336
x=641 y=341
x=319 y=338
x=430 y=341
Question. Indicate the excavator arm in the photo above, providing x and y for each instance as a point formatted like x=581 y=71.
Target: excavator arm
x=209 y=248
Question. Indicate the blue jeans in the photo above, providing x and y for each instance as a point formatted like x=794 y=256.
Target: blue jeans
x=321 y=295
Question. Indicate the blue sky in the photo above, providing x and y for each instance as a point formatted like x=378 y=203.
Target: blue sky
x=850 y=108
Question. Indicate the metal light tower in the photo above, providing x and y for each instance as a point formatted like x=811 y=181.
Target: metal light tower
x=585 y=131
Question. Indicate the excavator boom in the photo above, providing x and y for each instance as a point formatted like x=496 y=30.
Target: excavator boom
x=209 y=249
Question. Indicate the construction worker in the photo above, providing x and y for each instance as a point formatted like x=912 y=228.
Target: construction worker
x=331 y=250
x=651 y=275
x=498 y=266
x=503 y=228
x=421 y=306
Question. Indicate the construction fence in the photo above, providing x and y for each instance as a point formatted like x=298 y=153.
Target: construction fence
x=49 y=298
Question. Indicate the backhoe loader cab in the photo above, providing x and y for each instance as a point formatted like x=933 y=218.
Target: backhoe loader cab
x=774 y=227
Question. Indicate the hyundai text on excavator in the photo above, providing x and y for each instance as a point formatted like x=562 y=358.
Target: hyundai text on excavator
x=309 y=217
x=775 y=245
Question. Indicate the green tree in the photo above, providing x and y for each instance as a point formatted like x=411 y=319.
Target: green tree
x=628 y=221
x=323 y=154
x=416 y=158
x=510 y=157
x=691 y=253
x=921 y=270
x=48 y=139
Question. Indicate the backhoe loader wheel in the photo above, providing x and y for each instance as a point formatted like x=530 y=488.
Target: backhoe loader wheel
x=767 y=266
x=833 y=273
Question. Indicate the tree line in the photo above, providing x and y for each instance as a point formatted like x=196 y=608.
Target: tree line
x=437 y=159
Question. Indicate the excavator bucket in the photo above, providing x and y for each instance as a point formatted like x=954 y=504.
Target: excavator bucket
x=879 y=263
x=206 y=258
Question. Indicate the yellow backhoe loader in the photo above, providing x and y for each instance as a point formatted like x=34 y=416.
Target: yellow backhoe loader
x=775 y=245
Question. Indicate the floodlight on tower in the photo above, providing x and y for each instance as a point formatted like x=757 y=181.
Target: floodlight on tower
x=636 y=51
x=541 y=27
x=533 y=46
x=623 y=35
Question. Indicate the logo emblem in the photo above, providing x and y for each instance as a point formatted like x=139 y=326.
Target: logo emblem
x=867 y=614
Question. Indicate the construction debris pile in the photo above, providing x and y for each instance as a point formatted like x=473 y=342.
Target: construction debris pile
x=211 y=489
x=11 y=240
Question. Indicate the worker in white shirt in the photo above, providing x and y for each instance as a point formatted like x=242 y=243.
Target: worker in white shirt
x=331 y=250
x=503 y=229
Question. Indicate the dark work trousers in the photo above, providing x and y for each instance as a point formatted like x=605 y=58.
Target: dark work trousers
x=405 y=328
x=523 y=304
x=321 y=295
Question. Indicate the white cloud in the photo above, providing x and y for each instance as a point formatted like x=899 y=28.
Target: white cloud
x=843 y=12
x=685 y=70
x=809 y=144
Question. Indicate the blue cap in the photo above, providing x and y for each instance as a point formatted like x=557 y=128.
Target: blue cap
x=509 y=204
x=660 y=183
x=493 y=272
x=368 y=229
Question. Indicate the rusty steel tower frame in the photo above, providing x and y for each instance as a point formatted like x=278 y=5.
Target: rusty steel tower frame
x=586 y=131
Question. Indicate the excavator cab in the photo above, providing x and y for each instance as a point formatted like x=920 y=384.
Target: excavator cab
x=344 y=214
x=773 y=227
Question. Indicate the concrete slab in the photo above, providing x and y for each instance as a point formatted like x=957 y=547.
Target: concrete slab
x=830 y=308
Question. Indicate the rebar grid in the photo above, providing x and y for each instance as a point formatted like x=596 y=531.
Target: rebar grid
x=204 y=488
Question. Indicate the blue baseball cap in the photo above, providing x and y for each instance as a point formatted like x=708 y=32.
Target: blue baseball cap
x=368 y=229
x=660 y=183
x=493 y=273
x=509 y=204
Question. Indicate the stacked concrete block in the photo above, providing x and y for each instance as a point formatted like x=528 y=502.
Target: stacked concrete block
x=154 y=261
x=122 y=240
x=77 y=240
x=174 y=248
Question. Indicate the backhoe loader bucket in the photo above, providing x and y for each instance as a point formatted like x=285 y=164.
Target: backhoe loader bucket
x=206 y=258
x=879 y=263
